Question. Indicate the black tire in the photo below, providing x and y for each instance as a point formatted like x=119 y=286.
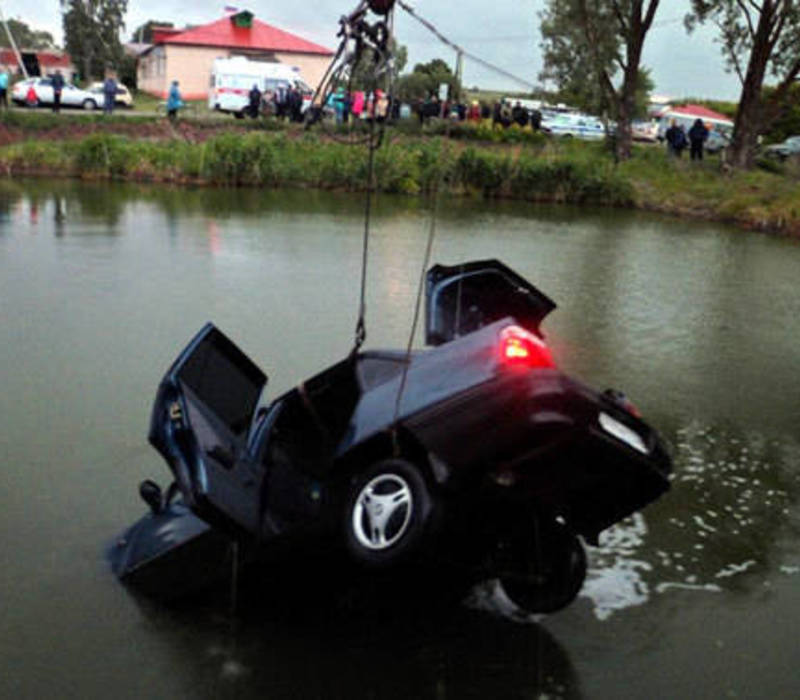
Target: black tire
x=388 y=514
x=89 y=105
x=238 y=115
x=547 y=564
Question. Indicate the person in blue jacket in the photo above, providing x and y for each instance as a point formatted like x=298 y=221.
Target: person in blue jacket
x=174 y=101
x=109 y=94
x=3 y=87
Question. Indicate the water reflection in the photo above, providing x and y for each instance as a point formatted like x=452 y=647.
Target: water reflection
x=733 y=497
x=698 y=324
x=351 y=653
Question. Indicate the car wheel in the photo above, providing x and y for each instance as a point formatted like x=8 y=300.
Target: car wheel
x=239 y=115
x=89 y=105
x=388 y=513
x=543 y=567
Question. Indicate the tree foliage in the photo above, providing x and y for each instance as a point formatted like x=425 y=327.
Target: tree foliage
x=425 y=80
x=25 y=37
x=91 y=34
x=143 y=34
x=571 y=63
x=363 y=75
x=759 y=38
x=588 y=44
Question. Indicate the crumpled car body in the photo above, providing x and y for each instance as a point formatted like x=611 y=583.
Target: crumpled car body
x=476 y=451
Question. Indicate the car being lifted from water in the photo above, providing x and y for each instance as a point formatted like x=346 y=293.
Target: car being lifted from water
x=476 y=451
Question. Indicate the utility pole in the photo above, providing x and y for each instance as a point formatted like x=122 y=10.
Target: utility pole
x=13 y=44
x=459 y=71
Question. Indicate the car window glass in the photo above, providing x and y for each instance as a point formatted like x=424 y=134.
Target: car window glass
x=225 y=380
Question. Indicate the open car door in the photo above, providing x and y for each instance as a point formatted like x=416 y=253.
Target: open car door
x=462 y=298
x=200 y=424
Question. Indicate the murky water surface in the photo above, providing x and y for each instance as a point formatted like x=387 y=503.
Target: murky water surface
x=698 y=596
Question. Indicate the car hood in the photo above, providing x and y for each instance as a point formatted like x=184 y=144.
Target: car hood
x=462 y=298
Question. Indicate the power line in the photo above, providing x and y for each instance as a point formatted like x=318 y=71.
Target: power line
x=460 y=50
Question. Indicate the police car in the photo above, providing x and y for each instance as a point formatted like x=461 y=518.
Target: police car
x=578 y=126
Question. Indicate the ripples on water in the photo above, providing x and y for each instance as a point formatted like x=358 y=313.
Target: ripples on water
x=731 y=499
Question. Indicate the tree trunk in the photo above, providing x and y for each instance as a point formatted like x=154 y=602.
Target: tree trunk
x=747 y=125
x=626 y=105
x=748 y=121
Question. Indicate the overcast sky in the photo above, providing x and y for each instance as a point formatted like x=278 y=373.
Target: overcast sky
x=503 y=33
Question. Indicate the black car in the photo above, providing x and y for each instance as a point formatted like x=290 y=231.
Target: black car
x=476 y=454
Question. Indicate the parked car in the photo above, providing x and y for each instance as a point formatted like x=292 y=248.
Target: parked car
x=123 y=98
x=783 y=150
x=644 y=131
x=575 y=125
x=71 y=96
x=476 y=453
x=716 y=141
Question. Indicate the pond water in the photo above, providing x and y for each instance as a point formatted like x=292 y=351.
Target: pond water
x=101 y=286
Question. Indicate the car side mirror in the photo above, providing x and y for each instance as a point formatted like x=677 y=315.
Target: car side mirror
x=151 y=494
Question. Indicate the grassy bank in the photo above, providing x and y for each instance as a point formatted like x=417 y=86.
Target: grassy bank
x=522 y=166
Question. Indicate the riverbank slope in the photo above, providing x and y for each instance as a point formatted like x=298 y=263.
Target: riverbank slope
x=471 y=161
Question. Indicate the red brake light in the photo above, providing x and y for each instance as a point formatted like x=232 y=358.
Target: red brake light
x=519 y=348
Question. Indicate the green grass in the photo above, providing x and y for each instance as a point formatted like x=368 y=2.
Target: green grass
x=525 y=167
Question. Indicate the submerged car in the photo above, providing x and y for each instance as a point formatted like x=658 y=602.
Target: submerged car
x=475 y=453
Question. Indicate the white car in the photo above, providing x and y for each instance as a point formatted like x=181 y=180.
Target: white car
x=123 y=98
x=644 y=131
x=71 y=96
x=784 y=150
x=575 y=125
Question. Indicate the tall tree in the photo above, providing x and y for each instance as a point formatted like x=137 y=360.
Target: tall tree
x=757 y=37
x=91 y=34
x=607 y=35
x=425 y=80
x=25 y=37
x=570 y=63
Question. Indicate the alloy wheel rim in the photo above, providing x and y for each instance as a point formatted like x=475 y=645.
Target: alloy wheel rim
x=382 y=512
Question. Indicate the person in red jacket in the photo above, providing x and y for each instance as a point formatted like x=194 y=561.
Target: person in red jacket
x=30 y=98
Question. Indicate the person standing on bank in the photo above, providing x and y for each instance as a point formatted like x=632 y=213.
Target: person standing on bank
x=697 y=137
x=254 y=105
x=109 y=94
x=4 y=87
x=58 y=88
x=676 y=139
x=174 y=101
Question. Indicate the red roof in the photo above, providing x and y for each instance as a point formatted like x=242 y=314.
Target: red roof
x=698 y=111
x=260 y=36
x=47 y=59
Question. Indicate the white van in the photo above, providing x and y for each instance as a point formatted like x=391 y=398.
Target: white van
x=233 y=78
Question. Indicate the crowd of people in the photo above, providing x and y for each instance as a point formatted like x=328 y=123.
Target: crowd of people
x=502 y=112
x=287 y=102
x=284 y=102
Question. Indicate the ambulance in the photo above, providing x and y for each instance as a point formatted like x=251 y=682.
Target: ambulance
x=233 y=78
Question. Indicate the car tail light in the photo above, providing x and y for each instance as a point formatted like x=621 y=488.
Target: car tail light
x=519 y=348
